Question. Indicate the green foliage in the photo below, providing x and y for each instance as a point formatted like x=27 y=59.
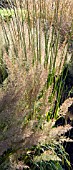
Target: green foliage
x=52 y=157
x=43 y=157
x=3 y=71
x=6 y=14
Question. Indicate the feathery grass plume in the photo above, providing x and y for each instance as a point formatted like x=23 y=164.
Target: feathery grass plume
x=35 y=55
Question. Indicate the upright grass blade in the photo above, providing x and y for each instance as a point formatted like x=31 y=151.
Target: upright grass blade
x=29 y=23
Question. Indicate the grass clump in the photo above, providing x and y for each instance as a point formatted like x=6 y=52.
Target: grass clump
x=35 y=54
